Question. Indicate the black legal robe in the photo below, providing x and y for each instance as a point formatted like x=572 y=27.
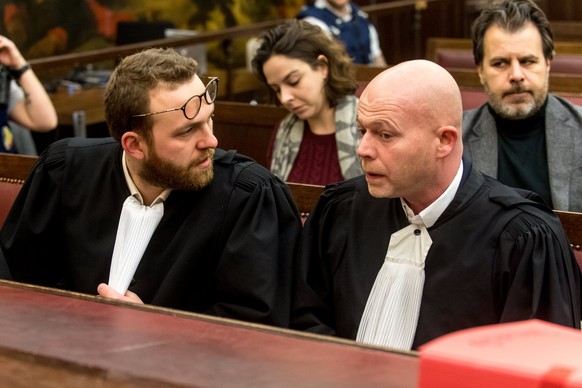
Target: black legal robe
x=496 y=257
x=225 y=250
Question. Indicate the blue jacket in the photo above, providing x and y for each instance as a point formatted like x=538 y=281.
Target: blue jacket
x=355 y=34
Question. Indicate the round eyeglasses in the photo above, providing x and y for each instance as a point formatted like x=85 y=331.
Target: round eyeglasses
x=192 y=106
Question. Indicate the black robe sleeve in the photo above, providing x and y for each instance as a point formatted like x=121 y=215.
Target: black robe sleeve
x=322 y=241
x=31 y=237
x=536 y=273
x=254 y=272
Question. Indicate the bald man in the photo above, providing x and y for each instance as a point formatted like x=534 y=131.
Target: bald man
x=423 y=244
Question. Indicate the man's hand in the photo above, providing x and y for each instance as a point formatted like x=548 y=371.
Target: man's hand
x=107 y=292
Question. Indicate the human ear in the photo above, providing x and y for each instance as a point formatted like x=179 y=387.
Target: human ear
x=324 y=64
x=448 y=138
x=133 y=144
x=480 y=72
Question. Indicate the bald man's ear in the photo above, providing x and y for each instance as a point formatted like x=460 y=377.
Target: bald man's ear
x=448 y=139
x=134 y=144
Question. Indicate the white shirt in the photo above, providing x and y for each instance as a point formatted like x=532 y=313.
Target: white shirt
x=391 y=313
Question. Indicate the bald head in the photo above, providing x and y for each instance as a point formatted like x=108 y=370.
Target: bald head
x=410 y=120
x=426 y=88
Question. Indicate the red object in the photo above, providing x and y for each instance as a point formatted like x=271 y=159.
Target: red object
x=522 y=354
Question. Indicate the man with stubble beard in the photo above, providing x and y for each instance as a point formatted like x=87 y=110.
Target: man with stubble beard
x=523 y=136
x=157 y=214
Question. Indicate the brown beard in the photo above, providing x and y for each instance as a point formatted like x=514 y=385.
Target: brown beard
x=165 y=174
x=509 y=112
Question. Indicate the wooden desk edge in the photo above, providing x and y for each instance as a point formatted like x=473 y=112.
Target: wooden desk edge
x=208 y=318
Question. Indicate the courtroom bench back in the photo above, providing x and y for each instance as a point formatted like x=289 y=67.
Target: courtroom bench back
x=246 y=128
x=14 y=170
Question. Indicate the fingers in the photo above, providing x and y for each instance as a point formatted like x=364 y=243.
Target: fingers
x=107 y=292
x=4 y=41
x=133 y=297
x=11 y=56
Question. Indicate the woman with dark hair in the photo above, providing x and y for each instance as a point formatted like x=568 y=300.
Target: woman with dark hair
x=311 y=75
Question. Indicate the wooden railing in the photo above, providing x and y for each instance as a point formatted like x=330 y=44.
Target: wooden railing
x=458 y=53
x=92 y=56
x=57 y=66
x=48 y=65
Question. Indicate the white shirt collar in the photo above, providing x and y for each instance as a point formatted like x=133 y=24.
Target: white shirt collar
x=431 y=214
x=133 y=188
x=324 y=4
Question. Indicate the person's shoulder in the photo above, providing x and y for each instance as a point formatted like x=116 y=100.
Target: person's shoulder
x=521 y=202
x=246 y=172
x=556 y=102
x=309 y=10
x=59 y=151
x=471 y=114
x=345 y=191
x=473 y=118
x=359 y=11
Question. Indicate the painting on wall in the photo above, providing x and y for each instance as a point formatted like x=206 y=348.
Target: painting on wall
x=42 y=28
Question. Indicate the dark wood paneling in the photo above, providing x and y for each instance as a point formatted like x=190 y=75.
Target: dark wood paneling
x=563 y=9
x=404 y=28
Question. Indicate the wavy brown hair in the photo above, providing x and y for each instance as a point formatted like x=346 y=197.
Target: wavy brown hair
x=304 y=41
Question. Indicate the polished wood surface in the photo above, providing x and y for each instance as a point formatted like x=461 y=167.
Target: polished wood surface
x=246 y=128
x=67 y=339
x=572 y=224
x=305 y=196
x=15 y=168
x=87 y=100
x=435 y=44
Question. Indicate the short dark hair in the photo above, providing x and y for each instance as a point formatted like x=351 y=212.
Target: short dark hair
x=127 y=91
x=304 y=41
x=511 y=15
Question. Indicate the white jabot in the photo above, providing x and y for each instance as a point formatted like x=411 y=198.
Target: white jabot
x=137 y=224
x=391 y=313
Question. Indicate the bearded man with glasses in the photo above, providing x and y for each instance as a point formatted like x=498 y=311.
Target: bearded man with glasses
x=157 y=214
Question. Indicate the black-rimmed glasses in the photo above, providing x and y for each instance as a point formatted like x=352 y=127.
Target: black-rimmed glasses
x=192 y=106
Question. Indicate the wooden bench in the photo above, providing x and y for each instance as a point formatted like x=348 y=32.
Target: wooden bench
x=364 y=74
x=305 y=196
x=572 y=224
x=458 y=53
x=246 y=128
x=14 y=170
x=566 y=30
x=568 y=86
